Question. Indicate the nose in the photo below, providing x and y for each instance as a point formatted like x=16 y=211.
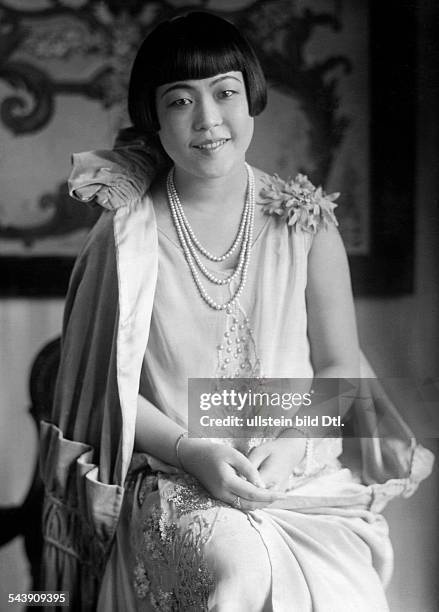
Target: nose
x=208 y=115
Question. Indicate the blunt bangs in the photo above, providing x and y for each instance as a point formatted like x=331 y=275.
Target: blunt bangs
x=190 y=61
x=197 y=46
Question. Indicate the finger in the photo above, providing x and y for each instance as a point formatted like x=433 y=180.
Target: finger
x=280 y=484
x=270 y=470
x=257 y=455
x=274 y=475
x=246 y=506
x=247 y=491
x=242 y=465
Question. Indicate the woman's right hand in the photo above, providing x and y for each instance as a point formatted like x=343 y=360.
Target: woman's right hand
x=225 y=473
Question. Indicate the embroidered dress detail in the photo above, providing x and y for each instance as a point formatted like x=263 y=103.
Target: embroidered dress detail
x=187 y=495
x=237 y=352
x=170 y=569
x=299 y=202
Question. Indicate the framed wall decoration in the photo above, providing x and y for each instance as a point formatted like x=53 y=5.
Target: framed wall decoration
x=341 y=109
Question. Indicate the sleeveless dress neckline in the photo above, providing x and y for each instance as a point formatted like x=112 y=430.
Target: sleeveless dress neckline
x=255 y=238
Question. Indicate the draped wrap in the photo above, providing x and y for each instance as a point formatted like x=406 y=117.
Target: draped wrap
x=86 y=449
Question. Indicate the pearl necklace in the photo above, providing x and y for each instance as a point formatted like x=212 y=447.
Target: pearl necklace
x=190 y=244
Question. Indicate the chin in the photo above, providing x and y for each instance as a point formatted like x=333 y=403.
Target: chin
x=218 y=168
x=215 y=172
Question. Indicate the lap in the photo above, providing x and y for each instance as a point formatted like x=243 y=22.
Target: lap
x=190 y=549
x=191 y=552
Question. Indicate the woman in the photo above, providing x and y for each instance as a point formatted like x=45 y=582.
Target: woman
x=195 y=280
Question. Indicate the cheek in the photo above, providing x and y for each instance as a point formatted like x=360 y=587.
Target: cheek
x=172 y=129
x=248 y=129
x=171 y=137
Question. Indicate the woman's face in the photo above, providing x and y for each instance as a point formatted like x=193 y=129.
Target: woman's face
x=205 y=126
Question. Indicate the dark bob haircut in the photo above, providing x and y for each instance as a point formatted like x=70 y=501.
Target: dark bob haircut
x=196 y=46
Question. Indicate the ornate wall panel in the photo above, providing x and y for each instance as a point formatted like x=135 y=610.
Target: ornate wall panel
x=340 y=92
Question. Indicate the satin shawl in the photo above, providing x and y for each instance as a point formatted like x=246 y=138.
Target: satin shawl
x=86 y=449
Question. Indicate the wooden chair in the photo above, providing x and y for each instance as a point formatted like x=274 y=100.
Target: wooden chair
x=25 y=519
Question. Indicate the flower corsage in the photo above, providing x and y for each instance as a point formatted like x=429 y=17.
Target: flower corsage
x=298 y=202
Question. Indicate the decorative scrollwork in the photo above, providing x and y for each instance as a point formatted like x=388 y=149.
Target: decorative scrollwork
x=112 y=31
x=22 y=116
x=114 y=28
x=67 y=217
x=280 y=34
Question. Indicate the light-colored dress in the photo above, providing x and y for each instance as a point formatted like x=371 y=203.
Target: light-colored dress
x=319 y=557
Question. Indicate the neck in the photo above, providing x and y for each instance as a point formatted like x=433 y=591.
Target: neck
x=207 y=194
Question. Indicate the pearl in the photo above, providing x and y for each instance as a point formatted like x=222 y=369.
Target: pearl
x=233 y=328
x=226 y=334
x=191 y=245
x=229 y=341
x=229 y=350
x=220 y=347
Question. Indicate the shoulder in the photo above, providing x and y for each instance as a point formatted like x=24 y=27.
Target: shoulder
x=296 y=201
x=157 y=193
x=117 y=178
x=260 y=180
x=260 y=177
x=114 y=227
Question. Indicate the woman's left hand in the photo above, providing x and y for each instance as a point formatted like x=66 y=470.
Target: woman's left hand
x=276 y=459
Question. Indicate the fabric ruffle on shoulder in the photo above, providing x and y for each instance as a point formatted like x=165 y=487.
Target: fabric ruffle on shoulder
x=118 y=177
x=299 y=203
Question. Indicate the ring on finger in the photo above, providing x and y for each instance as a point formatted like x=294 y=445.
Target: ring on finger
x=237 y=502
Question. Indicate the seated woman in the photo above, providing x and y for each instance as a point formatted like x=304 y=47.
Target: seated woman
x=218 y=271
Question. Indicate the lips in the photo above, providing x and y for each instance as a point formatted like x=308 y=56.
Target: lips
x=211 y=145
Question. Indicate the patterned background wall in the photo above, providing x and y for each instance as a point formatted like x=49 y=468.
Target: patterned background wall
x=63 y=80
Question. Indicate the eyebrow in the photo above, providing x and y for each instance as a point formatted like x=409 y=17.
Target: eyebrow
x=184 y=85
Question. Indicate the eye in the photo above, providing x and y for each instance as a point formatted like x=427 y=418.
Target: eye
x=181 y=102
x=228 y=93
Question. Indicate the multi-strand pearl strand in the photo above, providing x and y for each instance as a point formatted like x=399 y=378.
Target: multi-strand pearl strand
x=190 y=244
x=194 y=245
x=195 y=240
